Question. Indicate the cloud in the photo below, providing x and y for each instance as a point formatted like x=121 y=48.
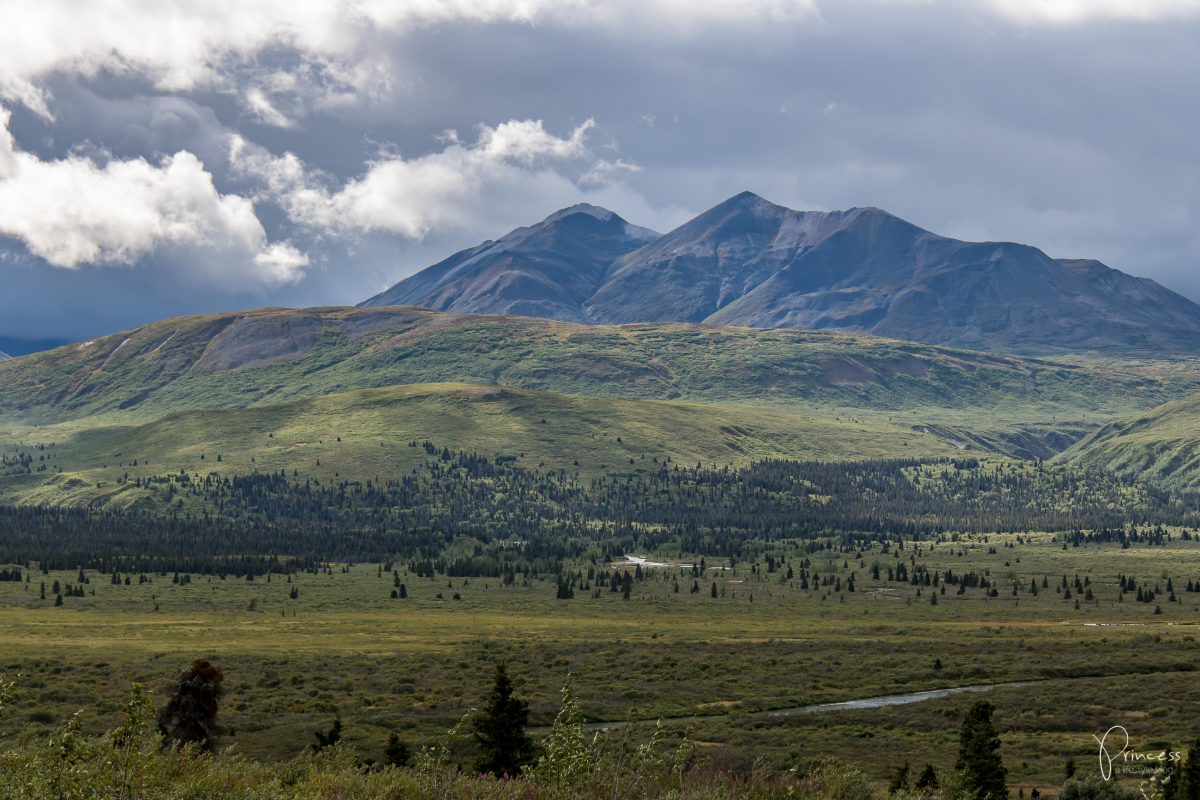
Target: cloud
x=449 y=188
x=1065 y=12
x=281 y=262
x=1073 y=11
x=336 y=51
x=75 y=211
x=181 y=45
x=264 y=111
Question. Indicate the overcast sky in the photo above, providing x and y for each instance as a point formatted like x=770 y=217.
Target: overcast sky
x=173 y=157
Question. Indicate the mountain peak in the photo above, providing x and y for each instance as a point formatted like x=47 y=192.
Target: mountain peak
x=868 y=211
x=590 y=210
x=746 y=197
x=759 y=206
x=544 y=270
x=744 y=200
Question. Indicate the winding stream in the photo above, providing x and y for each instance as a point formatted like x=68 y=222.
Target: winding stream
x=886 y=700
x=866 y=703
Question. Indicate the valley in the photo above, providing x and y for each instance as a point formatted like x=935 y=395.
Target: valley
x=395 y=498
x=344 y=648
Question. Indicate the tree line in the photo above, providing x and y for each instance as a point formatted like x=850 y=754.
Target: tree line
x=464 y=514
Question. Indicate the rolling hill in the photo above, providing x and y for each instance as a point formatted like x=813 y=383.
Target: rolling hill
x=1162 y=445
x=345 y=392
x=268 y=356
x=377 y=430
x=749 y=262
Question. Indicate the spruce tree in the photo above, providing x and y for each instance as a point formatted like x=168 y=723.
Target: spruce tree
x=190 y=717
x=397 y=753
x=979 y=754
x=499 y=730
x=928 y=778
x=329 y=739
x=900 y=782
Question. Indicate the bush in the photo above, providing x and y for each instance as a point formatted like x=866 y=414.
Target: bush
x=1095 y=788
x=831 y=780
x=131 y=763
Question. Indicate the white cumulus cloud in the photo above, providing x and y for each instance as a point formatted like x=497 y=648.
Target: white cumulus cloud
x=75 y=211
x=183 y=44
x=280 y=262
x=450 y=188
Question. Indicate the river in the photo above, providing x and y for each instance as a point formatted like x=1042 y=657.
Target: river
x=862 y=704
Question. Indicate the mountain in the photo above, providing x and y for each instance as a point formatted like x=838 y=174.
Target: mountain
x=1162 y=445
x=546 y=270
x=749 y=262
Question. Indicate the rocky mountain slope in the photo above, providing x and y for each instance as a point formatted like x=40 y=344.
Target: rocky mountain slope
x=546 y=270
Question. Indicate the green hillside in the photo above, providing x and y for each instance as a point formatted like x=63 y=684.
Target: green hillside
x=274 y=389
x=369 y=434
x=1162 y=445
x=268 y=356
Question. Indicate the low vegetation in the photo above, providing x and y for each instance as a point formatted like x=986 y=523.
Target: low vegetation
x=743 y=653
x=139 y=759
x=376 y=430
x=1162 y=445
x=257 y=389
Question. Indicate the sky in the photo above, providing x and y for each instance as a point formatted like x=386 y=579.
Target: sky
x=171 y=157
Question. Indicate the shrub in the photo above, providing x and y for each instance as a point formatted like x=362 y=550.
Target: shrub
x=1095 y=788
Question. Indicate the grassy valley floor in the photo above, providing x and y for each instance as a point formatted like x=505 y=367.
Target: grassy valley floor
x=345 y=648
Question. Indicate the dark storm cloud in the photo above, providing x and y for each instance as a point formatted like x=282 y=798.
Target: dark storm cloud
x=1077 y=137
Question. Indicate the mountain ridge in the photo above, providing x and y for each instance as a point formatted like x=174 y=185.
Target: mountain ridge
x=239 y=359
x=749 y=262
